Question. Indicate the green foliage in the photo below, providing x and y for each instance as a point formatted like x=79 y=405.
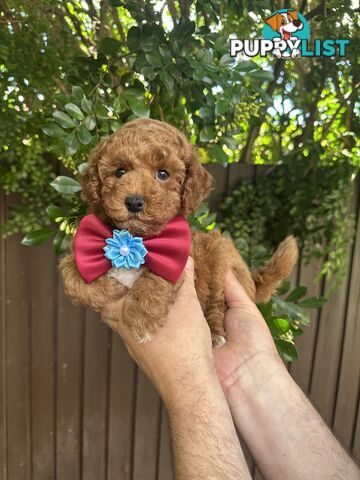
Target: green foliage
x=286 y=316
x=73 y=72
x=314 y=207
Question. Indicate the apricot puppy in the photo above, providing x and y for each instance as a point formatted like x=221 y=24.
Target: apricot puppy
x=139 y=179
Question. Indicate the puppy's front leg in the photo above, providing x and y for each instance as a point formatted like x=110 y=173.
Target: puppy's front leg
x=146 y=305
x=94 y=295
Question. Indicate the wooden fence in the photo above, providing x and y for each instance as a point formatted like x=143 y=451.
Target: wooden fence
x=74 y=406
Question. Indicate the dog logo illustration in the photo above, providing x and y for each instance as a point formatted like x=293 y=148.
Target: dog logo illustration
x=290 y=27
x=286 y=35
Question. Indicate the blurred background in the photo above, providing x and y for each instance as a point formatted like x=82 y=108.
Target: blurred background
x=280 y=138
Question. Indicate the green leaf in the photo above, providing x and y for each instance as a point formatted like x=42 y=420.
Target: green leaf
x=119 y=104
x=37 y=237
x=54 y=212
x=226 y=60
x=101 y=111
x=296 y=294
x=246 y=66
x=230 y=142
x=71 y=143
x=77 y=92
x=110 y=46
x=86 y=105
x=185 y=28
x=135 y=100
x=284 y=287
x=90 y=123
x=222 y=106
x=115 y=126
x=207 y=134
x=133 y=39
x=313 y=302
x=287 y=350
x=219 y=154
x=64 y=120
x=167 y=80
x=83 y=168
x=66 y=185
x=165 y=52
x=265 y=309
x=53 y=130
x=61 y=242
x=292 y=310
x=205 y=113
x=278 y=326
x=148 y=72
x=263 y=75
x=74 y=111
x=83 y=135
x=154 y=59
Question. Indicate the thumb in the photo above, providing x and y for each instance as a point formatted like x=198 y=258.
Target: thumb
x=189 y=272
x=188 y=283
x=235 y=294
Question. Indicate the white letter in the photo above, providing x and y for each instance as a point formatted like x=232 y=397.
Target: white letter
x=294 y=44
x=235 y=47
x=251 y=47
x=265 y=47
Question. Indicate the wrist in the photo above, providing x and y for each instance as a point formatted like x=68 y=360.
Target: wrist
x=254 y=376
x=188 y=386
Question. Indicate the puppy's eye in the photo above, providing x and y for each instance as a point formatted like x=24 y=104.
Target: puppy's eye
x=162 y=175
x=119 y=172
x=283 y=21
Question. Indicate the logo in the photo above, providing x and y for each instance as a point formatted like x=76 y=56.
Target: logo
x=286 y=28
x=287 y=35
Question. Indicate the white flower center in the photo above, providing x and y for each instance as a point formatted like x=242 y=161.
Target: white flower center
x=124 y=250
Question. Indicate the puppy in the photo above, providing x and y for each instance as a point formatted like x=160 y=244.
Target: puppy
x=286 y=24
x=139 y=179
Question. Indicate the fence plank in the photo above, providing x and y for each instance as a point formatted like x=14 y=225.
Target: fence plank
x=237 y=173
x=356 y=442
x=220 y=174
x=349 y=380
x=121 y=411
x=165 y=465
x=146 y=430
x=3 y=404
x=328 y=347
x=95 y=398
x=69 y=380
x=18 y=360
x=301 y=368
x=43 y=293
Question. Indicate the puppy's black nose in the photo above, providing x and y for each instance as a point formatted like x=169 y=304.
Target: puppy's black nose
x=297 y=23
x=135 y=203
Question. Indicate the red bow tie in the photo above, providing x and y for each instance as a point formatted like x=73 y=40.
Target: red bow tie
x=164 y=254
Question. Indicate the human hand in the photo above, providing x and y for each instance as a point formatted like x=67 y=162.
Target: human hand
x=179 y=356
x=249 y=354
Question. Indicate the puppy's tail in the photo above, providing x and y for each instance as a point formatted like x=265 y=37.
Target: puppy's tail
x=280 y=266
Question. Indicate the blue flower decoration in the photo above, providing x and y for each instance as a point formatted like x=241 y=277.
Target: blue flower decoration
x=124 y=250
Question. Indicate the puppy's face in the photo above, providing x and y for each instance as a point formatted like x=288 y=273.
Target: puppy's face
x=144 y=175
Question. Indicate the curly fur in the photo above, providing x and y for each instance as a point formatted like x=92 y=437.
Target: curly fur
x=142 y=147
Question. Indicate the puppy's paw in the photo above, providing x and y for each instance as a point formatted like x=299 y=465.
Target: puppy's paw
x=218 y=340
x=295 y=53
x=143 y=324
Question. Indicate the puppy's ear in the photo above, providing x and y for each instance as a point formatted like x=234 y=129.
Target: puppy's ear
x=274 y=21
x=91 y=184
x=293 y=14
x=197 y=186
